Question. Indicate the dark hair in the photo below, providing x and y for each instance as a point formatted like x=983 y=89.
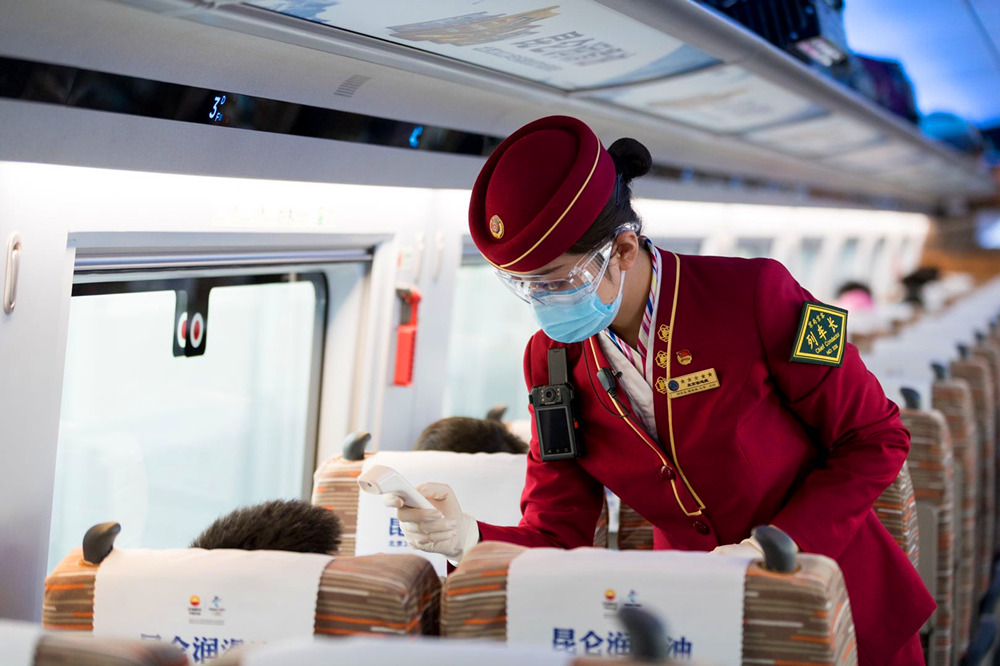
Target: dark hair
x=632 y=160
x=853 y=285
x=915 y=282
x=291 y=525
x=462 y=434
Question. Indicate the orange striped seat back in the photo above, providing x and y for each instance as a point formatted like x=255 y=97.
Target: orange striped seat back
x=896 y=508
x=977 y=372
x=801 y=618
x=931 y=464
x=634 y=531
x=64 y=649
x=953 y=399
x=335 y=487
x=988 y=350
x=375 y=594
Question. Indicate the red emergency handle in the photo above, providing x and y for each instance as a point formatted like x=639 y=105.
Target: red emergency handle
x=406 y=336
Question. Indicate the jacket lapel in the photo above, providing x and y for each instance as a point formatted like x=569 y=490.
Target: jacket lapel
x=662 y=353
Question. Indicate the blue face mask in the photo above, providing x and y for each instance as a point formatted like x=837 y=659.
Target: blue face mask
x=578 y=321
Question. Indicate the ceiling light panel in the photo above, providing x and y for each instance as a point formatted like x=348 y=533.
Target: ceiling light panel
x=888 y=156
x=818 y=137
x=722 y=99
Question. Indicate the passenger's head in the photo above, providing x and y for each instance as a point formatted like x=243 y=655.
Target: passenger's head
x=461 y=434
x=291 y=525
x=552 y=210
x=915 y=282
x=854 y=285
x=855 y=296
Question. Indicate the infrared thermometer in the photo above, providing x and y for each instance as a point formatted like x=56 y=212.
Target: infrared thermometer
x=382 y=480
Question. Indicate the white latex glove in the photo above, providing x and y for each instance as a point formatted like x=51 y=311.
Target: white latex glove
x=446 y=530
x=748 y=548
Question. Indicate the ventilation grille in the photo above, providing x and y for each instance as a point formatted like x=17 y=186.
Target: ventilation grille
x=351 y=85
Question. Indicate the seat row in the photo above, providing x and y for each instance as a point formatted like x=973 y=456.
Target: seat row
x=795 y=614
x=945 y=371
x=785 y=599
x=47 y=648
x=792 y=608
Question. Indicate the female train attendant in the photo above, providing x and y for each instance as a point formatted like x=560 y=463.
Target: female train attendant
x=713 y=394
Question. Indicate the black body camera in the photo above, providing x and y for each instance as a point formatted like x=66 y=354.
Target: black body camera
x=555 y=421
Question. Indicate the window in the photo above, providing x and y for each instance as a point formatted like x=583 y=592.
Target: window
x=847 y=263
x=489 y=330
x=880 y=269
x=169 y=421
x=751 y=248
x=679 y=245
x=807 y=262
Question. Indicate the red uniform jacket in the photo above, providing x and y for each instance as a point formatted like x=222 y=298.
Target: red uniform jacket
x=807 y=448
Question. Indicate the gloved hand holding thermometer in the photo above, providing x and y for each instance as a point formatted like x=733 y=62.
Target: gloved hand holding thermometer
x=430 y=516
x=747 y=548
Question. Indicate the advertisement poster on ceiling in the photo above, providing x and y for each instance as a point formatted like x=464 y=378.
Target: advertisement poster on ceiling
x=569 y=46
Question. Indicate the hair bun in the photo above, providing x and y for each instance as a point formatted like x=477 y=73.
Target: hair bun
x=632 y=159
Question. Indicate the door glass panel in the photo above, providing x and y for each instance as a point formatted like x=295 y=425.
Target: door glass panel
x=847 y=263
x=751 y=248
x=165 y=443
x=679 y=245
x=807 y=262
x=489 y=330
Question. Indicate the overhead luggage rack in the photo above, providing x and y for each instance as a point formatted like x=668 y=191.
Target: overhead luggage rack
x=703 y=93
x=707 y=90
x=849 y=132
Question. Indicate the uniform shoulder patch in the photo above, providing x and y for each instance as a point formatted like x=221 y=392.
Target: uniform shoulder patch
x=822 y=335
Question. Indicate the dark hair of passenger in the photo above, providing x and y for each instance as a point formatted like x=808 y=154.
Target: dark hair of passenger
x=632 y=160
x=290 y=525
x=462 y=434
x=853 y=285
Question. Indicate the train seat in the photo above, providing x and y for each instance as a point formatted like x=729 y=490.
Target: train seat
x=895 y=508
x=931 y=463
x=881 y=322
x=977 y=373
x=988 y=349
x=940 y=294
x=634 y=531
x=36 y=647
x=375 y=594
x=777 y=608
x=335 y=487
x=953 y=398
x=413 y=652
x=920 y=359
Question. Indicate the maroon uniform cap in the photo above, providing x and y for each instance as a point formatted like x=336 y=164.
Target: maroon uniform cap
x=538 y=193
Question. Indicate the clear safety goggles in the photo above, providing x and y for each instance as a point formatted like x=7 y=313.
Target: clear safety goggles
x=568 y=287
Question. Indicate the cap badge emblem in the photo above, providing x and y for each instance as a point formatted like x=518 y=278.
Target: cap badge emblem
x=496 y=227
